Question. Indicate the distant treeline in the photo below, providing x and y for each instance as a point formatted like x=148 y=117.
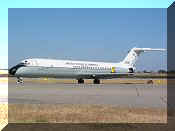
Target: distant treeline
x=158 y=74
x=159 y=71
x=164 y=71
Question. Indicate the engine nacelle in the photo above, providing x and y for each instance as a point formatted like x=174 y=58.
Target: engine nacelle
x=131 y=70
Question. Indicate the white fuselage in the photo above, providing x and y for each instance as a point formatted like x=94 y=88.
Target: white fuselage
x=68 y=69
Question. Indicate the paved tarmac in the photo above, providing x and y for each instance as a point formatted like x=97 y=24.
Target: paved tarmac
x=124 y=95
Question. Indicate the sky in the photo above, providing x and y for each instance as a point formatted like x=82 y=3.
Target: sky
x=87 y=34
x=6 y=4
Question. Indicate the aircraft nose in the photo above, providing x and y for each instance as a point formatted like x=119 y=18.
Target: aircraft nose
x=14 y=69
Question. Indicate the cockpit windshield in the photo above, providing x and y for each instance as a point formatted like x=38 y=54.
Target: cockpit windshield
x=25 y=62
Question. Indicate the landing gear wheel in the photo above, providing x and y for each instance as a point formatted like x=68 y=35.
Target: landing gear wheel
x=96 y=81
x=80 y=81
x=19 y=81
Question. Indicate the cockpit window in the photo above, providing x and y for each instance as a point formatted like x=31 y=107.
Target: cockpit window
x=25 y=62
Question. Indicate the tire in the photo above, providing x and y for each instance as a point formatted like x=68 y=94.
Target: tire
x=96 y=81
x=80 y=81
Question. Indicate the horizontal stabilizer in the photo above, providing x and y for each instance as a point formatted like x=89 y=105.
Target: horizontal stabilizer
x=148 y=49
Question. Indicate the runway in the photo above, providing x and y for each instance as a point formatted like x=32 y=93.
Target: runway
x=123 y=95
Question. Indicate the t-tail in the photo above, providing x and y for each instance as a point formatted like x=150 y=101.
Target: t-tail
x=131 y=58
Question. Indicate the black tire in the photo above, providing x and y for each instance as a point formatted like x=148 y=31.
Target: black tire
x=96 y=81
x=19 y=80
x=80 y=81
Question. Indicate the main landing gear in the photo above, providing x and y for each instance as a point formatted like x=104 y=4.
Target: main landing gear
x=81 y=81
x=96 y=81
x=19 y=80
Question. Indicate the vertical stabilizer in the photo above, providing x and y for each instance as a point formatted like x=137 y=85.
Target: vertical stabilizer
x=134 y=53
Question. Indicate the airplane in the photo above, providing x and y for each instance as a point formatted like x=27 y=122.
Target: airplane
x=80 y=70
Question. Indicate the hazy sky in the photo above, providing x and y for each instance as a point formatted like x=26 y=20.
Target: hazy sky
x=87 y=34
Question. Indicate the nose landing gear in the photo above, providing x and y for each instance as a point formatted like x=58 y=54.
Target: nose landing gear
x=19 y=80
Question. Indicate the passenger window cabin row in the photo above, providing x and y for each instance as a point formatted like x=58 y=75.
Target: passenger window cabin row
x=92 y=68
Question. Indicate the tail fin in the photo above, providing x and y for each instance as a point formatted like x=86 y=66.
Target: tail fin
x=133 y=54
